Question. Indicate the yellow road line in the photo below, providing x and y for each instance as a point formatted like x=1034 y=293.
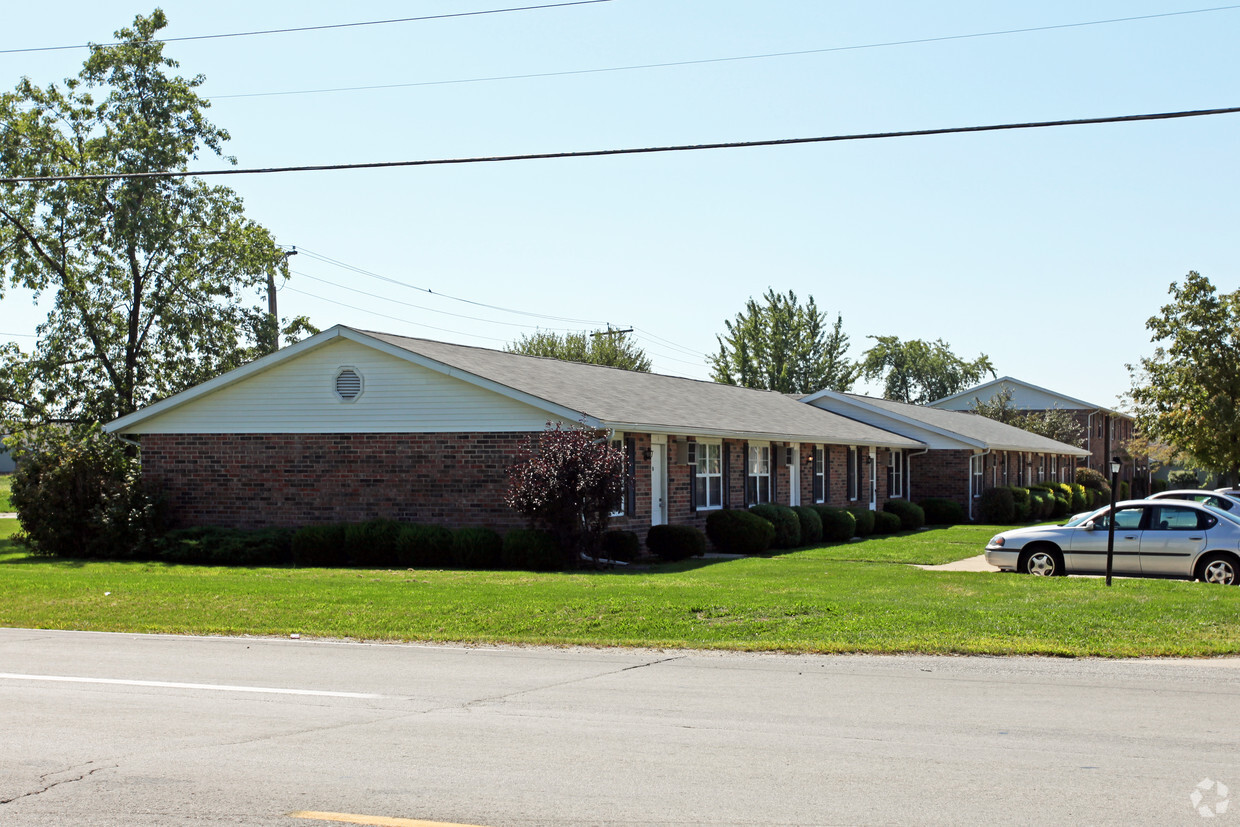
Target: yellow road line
x=375 y=821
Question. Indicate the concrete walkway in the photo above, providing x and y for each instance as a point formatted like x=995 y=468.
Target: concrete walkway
x=977 y=563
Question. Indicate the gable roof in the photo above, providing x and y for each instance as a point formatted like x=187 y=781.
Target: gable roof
x=600 y=396
x=988 y=390
x=966 y=427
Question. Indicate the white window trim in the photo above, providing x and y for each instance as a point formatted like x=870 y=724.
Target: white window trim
x=895 y=461
x=819 y=472
x=709 y=443
x=617 y=441
x=759 y=447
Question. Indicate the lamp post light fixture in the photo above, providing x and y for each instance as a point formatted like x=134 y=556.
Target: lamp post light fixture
x=1111 y=517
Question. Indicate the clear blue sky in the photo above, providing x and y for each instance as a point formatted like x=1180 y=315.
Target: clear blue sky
x=1045 y=249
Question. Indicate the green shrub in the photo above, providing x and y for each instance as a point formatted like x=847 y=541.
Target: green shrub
x=623 y=546
x=997 y=506
x=1181 y=479
x=886 y=522
x=787 y=525
x=1039 y=499
x=675 y=542
x=942 y=511
x=912 y=517
x=532 y=549
x=373 y=544
x=81 y=495
x=477 y=548
x=838 y=525
x=1062 y=508
x=425 y=546
x=1124 y=488
x=811 y=524
x=865 y=520
x=1095 y=480
x=1157 y=485
x=1020 y=502
x=320 y=545
x=210 y=545
x=1080 y=502
x=733 y=531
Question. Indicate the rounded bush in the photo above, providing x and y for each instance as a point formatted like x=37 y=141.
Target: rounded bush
x=997 y=507
x=911 y=515
x=1095 y=480
x=942 y=511
x=1020 y=502
x=320 y=545
x=811 y=524
x=886 y=522
x=210 y=545
x=623 y=546
x=675 y=542
x=733 y=531
x=787 y=525
x=373 y=543
x=532 y=549
x=424 y=546
x=838 y=525
x=865 y=520
x=477 y=548
x=1062 y=508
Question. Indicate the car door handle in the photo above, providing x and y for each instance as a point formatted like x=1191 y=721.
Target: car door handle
x=1196 y=538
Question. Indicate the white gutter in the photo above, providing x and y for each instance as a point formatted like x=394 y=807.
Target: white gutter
x=908 y=482
x=1089 y=438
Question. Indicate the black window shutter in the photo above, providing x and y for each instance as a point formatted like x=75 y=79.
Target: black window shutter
x=630 y=476
x=726 y=482
x=693 y=469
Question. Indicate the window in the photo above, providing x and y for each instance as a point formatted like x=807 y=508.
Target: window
x=853 y=472
x=1125 y=518
x=708 y=476
x=758 y=480
x=820 y=474
x=895 y=473
x=977 y=469
x=1170 y=518
x=618 y=444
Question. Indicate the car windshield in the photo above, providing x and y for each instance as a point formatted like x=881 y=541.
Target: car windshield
x=1078 y=519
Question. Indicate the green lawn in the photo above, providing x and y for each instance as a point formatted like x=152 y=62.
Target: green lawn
x=855 y=597
x=6 y=483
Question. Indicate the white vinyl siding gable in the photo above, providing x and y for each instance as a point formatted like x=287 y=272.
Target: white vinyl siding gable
x=299 y=396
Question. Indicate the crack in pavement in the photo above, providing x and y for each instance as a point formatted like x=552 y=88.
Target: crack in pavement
x=52 y=785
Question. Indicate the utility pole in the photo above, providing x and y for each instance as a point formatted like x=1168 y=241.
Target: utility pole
x=271 y=300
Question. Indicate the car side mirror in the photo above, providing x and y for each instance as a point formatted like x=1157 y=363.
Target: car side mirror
x=1089 y=526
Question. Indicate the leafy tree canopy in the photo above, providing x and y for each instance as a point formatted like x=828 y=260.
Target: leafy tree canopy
x=154 y=282
x=1057 y=423
x=1187 y=394
x=615 y=349
x=919 y=372
x=782 y=345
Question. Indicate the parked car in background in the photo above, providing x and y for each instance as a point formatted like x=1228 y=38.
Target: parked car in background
x=1217 y=499
x=1231 y=492
x=1153 y=538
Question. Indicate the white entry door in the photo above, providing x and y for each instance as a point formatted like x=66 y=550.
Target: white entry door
x=658 y=485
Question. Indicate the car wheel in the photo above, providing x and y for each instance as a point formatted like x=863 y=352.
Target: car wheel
x=1219 y=568
x=1042 y=562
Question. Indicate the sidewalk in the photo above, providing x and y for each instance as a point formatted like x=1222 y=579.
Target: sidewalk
x=977 y=563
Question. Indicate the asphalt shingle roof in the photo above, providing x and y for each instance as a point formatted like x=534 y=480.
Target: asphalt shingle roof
x=652 y=401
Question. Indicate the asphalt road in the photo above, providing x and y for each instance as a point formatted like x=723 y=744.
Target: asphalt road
x=102 y=729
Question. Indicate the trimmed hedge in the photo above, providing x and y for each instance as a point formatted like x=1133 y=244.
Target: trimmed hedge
x=787 y=524
x=624 y=546
x=212 y=546
x=886 y=522
x=942 y=511
x=811 y=524
x=477 y=548
x=838 y=525
x=865 y=520
x=996 y=506
x=1020 y=502
x=425 y=546
x=373 y=544
x=319 y=545
x=532 y=549
x=912 y=517
x=676 y=542
x=733 y=531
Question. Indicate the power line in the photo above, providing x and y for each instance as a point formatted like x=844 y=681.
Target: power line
x=314 y=28
x=703 y=61
x=394 y=318
x=371 y=274
x=598 y=153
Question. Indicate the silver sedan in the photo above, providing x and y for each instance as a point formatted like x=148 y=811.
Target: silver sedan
x=1215 y=499
x=1153 y=538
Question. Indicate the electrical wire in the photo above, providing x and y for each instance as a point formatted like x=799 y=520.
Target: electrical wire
x=704 y=61
x=371 y=274
x=394 y=318
x=600 y=153
x=313 y=28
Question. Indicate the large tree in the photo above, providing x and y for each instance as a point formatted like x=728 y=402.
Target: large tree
x=1187 y=394
x=154 y=282
x=603 y=347
x=782 y=345
x=918 y=371
x=1057 y=424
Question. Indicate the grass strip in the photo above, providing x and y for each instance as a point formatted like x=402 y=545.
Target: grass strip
x=855 y=597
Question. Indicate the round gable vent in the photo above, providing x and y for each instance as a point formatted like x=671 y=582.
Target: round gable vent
x=348 y=384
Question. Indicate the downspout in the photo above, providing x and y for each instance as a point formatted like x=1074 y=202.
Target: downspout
x=908 y=481
x=1089 y=438
x=971 y=498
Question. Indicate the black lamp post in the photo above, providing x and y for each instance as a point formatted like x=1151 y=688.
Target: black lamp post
x=1111 y=521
